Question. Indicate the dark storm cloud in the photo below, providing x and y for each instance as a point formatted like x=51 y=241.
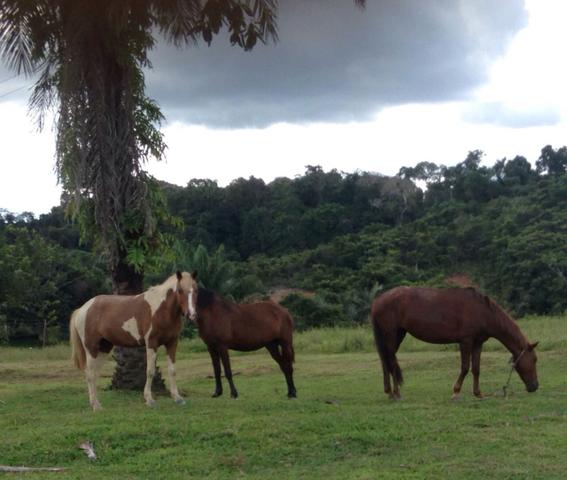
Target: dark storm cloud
x=336 y=63
x=333 y=63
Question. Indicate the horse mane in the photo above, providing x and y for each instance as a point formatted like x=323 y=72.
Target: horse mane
x=481 y=297
x=156 y=294
x=505 y=321
x=170 y=282
x=205 y=297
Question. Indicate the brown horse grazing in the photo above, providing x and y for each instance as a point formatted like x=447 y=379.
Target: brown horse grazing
x=225 y=325
x=152 y=318
x=455 y=315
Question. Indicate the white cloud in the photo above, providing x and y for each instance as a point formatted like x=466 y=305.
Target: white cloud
x=27 y=178
x=532 y=75
x=398 y=136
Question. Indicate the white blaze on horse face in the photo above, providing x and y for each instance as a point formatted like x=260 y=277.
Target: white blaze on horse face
x=191 y=305
x=131 y=326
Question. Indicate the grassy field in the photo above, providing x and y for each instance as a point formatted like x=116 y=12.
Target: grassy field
x=341 y=426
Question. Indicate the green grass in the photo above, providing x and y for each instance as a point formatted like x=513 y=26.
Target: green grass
x=341 y=426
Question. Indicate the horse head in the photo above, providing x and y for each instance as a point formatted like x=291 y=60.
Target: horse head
x=525 y=365
x=186 y=291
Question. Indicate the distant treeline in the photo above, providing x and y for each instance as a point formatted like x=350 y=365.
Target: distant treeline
x=341 y=236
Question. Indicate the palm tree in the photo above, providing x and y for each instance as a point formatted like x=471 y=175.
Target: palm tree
x=88 y=57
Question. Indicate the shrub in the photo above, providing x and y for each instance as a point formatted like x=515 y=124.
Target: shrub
x=310 y=312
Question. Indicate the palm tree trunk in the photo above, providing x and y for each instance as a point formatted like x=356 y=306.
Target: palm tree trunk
x=130 y=372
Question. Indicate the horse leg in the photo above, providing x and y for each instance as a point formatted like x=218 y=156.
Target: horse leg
x=285 y=362
x=151 y=354
x=387 y=344
x=288 y=358
x=223 y=352
x=477 y=349
x=386 y=376
x=392 y=342
x=396 y=370
x=92 y=372
x=465 y=363
x=171 y=349
x=396 y=376
x=217 y=370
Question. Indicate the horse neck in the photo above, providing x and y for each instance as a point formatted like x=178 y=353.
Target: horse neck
x=508 y=333
x=160 y=292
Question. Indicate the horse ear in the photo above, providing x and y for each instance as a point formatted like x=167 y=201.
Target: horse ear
x=532 y=346
x=179 y=275
x=194 y=274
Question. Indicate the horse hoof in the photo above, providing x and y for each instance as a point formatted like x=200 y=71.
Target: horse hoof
x=180 y=401
x=455 y=396
x=97 y=407
x=216 y=394
x=151 y=403
x=234 y=395
x=292 y=395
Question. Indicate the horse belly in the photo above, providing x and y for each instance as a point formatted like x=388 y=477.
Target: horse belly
x=438 y=330
x=246 y=340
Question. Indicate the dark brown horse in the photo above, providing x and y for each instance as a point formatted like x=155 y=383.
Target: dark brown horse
x=152 y=318
x=225 y=325
x=455 y=315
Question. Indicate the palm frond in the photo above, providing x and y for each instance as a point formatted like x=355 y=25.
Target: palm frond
x=16 y=38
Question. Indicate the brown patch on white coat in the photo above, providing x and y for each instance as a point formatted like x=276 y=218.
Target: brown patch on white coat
x=153 y=318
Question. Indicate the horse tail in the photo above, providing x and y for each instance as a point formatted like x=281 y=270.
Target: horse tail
x=78 y=354
x=387 y=356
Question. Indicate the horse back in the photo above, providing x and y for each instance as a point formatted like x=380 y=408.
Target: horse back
x=434 y=315
x=266 y=317
x=248 y=326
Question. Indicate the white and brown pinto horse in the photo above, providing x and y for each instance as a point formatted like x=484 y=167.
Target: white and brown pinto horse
x=153 y=318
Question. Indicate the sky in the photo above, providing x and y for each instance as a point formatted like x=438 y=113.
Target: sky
x=392 y=85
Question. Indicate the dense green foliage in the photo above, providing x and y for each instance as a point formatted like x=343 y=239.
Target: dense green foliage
x=342 y=237
x=347 y=236
x=41 y=279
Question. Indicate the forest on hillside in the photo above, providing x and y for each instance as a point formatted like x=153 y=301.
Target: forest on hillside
x=339 y=237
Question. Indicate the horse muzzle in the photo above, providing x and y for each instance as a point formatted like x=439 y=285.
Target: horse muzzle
x=190 y=317
x=532 y=386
